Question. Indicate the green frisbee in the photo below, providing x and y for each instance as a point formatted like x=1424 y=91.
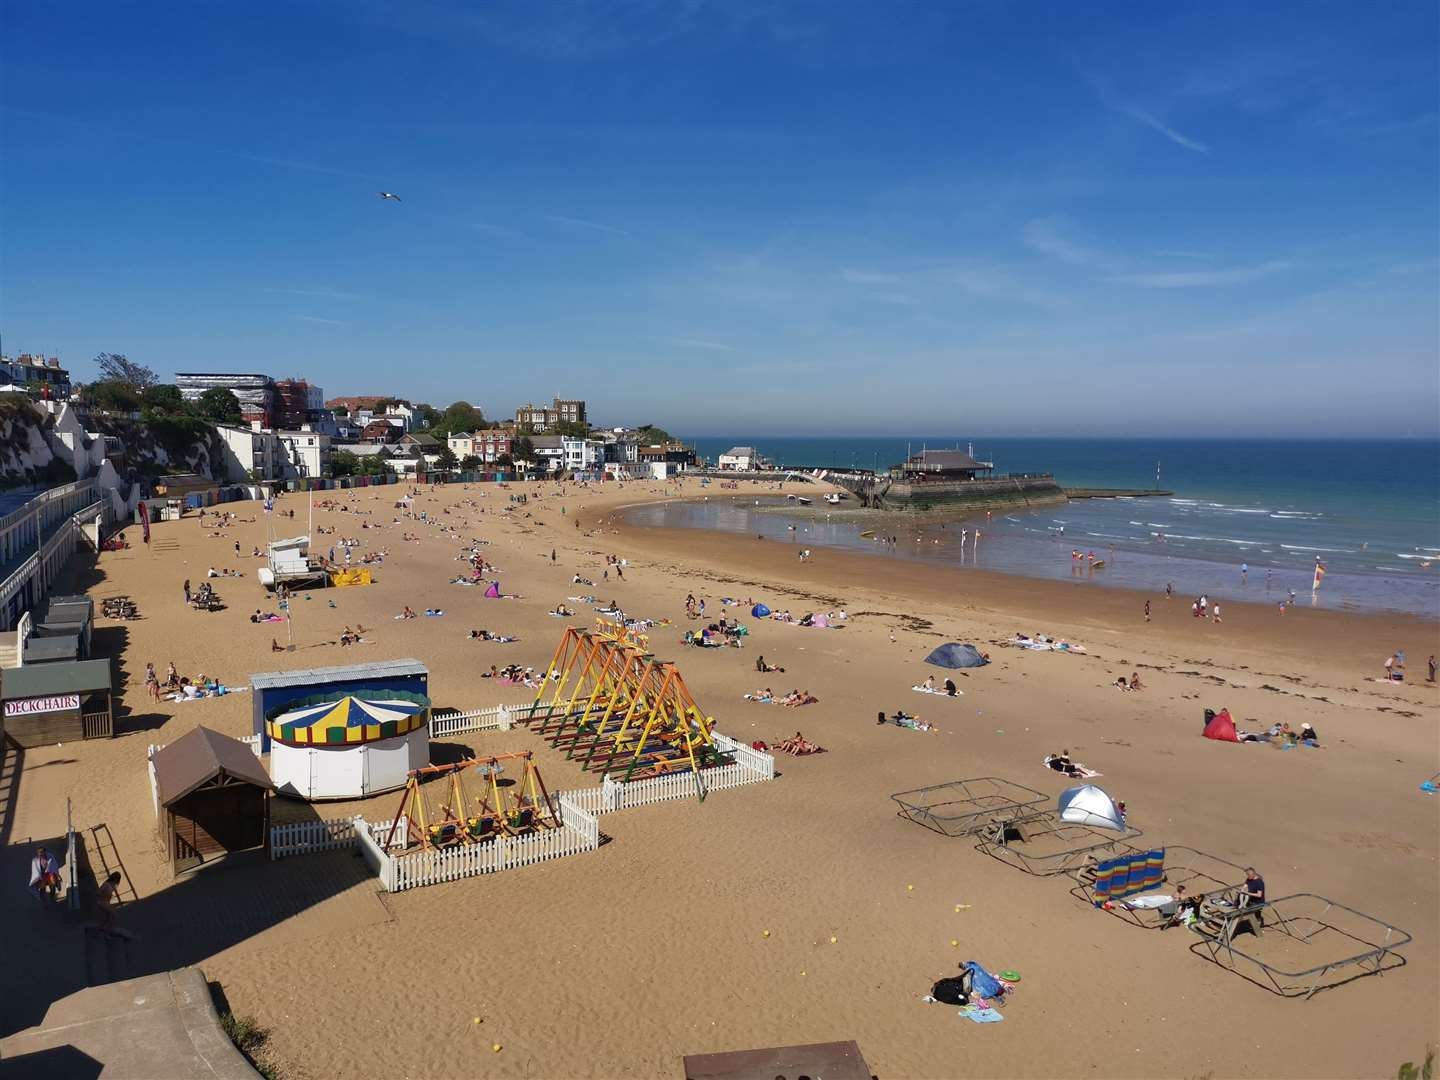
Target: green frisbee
x=1010 y=976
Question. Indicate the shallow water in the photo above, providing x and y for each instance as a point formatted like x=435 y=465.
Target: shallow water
x=1199 y=547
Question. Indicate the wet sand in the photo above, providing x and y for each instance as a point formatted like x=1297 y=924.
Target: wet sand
x=617 y=962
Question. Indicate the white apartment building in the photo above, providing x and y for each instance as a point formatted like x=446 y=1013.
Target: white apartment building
x=306 y=452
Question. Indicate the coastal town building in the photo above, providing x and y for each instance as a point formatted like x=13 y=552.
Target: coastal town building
x=254 y=392
x=382 y=431
x=667 y=459
x=549 y=453
x=542 y=418
x=252 y=454
x=740 y=459
x=489 y=446
x=583 y=455
x=306 y=452
x=929 y=465
x=297 y=403
x=40 y=376
x=462 y=444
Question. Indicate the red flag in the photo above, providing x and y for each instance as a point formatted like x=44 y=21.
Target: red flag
x=145 y=521
x=1319 y=575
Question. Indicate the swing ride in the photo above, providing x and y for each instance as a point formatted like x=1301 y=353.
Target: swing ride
x=616 y=709
x=467 y=802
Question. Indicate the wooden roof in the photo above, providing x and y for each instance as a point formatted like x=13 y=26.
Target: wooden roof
x=200 y=756
x=832 y=1061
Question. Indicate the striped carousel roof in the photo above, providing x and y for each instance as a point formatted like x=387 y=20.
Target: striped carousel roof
x=349 y=720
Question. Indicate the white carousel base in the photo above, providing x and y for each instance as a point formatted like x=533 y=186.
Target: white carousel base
x=348 y=772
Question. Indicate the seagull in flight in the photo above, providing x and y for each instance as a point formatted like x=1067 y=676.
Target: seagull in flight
x=388 y=195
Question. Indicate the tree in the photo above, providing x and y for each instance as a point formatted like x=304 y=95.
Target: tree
x=571 y=429
x=445 y=460
x=504 y=461
x=118 y=368
x=110 y=396
x=523 y=450
x=651 y=435
x=457 y=417
x=344 y=463
x=163 y=398
x=220 y=405
x=471 y=463
x=425 y=415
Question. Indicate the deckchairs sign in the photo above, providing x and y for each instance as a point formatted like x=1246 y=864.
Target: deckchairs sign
x=30 y=706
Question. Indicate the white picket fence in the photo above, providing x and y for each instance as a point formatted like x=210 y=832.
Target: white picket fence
x=252 y=741
x=749 y=767
x=493 y=718
x=579 y=832
x=310 y=837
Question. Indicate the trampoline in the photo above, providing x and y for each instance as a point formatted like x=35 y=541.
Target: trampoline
x=1044 y=846
x=966 y=807
x=1298 y=945
x=1205 y=877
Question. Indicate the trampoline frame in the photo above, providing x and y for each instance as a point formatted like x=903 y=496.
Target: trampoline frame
x=1150 y=918
x=1376 y=959
x=1089 y=843
x=1013 y=801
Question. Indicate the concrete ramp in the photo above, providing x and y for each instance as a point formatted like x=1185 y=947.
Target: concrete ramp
x=139 y=1029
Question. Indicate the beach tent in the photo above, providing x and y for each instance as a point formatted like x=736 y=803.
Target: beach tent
x=1221 y=728
x=1086 y=804
x=759 y=611
x=492 y=591
x=956 y=656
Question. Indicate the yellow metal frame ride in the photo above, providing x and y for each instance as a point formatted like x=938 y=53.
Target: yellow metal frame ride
x=625 y=710
x=453 y=827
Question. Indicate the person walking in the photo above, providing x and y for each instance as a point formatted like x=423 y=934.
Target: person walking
x=44 y=876
x=187 y=590
x=1215 y=612
x=1431 y=665
x=105 y=898
x=1147 y=610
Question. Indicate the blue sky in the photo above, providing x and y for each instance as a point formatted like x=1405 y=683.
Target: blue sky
x=784 y=217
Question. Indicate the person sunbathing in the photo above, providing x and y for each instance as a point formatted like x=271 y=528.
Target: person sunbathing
x=797 y=745
x=765 y=697
x=1135 y=683
x=929 y=684
x=407 y=613
x=1061 y=763
x=762 y=666
x=1121 y=684
x=561 y=609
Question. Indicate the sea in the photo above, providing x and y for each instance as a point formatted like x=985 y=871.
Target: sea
x=1247 y=521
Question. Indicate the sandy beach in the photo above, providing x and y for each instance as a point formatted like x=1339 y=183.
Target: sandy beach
x=617 y=962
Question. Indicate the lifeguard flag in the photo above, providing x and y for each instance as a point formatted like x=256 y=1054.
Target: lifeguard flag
x=1319 y=575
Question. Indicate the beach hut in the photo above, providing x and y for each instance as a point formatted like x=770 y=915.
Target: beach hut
x=213 y=796
x=64 y=700
x=1086 y=804
x=348 y=745
x=954 y=655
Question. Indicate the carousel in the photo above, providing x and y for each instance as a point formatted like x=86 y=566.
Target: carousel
x=348 y=746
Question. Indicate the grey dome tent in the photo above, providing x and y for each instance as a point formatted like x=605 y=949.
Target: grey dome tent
x=1086 y=804
x=759 y=611
x=956 y=656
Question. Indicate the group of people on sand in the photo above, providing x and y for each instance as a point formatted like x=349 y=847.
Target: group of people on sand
x=486 y=635
x=352 y=637
x=514 y=673
x=1133 y=683
x=947 y=687
x=794 y=699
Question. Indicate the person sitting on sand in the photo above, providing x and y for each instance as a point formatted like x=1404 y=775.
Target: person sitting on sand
x=1309 y=737
x=1121 y=684
x=1061 y=763
x=275 y=646
x=407 y=613
x=950 y=687
x=1135 y=683
x=929 y=684
x=561 y=609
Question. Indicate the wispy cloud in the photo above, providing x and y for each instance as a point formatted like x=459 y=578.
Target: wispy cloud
x=697 y=343
x=318 y=319
x=891 y=298
x=1139 y=115
x=868 y=277
x=1174 y=253
x=1056 y=237
x=1202 y=278
x=581 y=223
x=327 y=294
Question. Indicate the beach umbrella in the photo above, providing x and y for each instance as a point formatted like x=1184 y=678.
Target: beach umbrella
x=349 y=720
x=759 y=611
x=953 y=655
x=1086 y=804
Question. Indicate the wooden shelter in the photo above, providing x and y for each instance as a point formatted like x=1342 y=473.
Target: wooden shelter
x=214 y=798
x=63 y=701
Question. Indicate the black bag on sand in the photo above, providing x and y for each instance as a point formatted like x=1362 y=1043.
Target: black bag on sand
x=953 y=991
x=1209 y=715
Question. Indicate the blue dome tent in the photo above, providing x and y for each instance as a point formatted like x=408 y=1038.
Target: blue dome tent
x=956 y=656
x=759 y=611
